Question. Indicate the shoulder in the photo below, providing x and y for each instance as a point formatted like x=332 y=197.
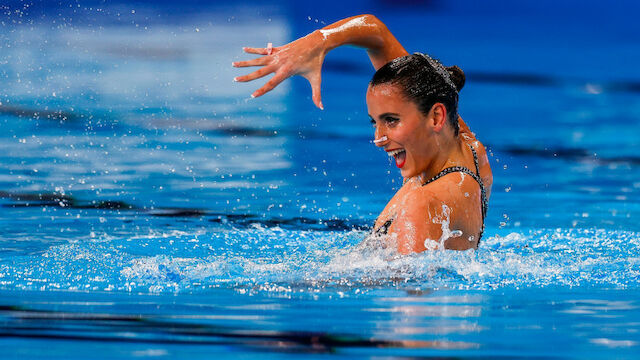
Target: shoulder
x=448 y=189
x=419 y=220
x=425 y=196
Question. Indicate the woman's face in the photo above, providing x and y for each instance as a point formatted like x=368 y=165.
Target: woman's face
x=411 y=136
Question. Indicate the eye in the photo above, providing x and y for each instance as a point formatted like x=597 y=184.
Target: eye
x=373 y=122
x=391 y=120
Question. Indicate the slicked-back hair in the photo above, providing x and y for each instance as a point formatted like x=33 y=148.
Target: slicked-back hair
x=424 y=81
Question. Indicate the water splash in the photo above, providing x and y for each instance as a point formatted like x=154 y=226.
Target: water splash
x=444 y=220
x=274 y=259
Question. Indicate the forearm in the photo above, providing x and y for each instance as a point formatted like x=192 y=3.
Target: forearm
x=365 y=31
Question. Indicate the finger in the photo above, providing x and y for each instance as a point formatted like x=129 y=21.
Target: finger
x=315 y=81
x=258 y=51
x=253 y=62
x=277 y=79
x=315 y=91
x=256 y=74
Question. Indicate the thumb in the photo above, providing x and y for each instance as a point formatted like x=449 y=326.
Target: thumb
x=315 y=81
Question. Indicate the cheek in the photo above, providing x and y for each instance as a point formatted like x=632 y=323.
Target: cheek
x=407 y=135
x=401 y=131
x=420 y=147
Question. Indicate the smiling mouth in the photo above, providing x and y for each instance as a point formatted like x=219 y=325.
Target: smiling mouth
x=400 y=155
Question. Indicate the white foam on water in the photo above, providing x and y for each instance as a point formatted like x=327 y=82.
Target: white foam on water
x=275 y=259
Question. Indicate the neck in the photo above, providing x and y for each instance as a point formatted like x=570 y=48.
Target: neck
x=445 y=158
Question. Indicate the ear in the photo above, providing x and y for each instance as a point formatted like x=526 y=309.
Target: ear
x=438 y=116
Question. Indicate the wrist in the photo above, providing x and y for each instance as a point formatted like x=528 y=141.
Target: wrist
x=320 y=41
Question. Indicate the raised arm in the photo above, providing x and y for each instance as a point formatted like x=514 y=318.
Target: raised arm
x=365 y=31
x=305 y=56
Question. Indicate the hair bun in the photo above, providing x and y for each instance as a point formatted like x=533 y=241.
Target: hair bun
x=457 y=76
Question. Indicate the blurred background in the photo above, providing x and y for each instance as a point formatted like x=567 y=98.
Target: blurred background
x=132 y=103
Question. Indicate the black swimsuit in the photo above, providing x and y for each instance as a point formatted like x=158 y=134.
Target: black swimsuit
x=384 y=228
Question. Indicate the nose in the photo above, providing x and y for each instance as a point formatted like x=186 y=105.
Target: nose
x=380 y=139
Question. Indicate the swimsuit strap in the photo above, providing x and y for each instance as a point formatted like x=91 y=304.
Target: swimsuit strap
x=384 y=228
x=483 y=191
x=475 y=159
x=475 y=176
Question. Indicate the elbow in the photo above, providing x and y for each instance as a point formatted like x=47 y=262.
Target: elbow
x=369 y=17
x=376 y=27
x=372 y=20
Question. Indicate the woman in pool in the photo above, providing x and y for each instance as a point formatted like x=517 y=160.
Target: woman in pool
x=412 y=101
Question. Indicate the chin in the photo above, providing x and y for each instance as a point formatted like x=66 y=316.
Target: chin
x=406 y=173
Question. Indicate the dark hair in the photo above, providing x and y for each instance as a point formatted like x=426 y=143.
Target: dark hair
x=425 y=81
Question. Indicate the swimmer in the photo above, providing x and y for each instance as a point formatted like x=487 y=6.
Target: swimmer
x=412 y=101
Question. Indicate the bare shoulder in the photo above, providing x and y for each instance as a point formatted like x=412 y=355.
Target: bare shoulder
x=446 y=213
x=418 y=221
x=438 y=215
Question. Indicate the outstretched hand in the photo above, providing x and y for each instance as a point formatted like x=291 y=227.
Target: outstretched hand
x=301 y=57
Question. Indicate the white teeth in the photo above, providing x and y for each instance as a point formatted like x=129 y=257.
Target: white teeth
x=395 y=152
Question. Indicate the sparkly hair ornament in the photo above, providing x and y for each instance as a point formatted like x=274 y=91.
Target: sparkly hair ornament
x=440 y=69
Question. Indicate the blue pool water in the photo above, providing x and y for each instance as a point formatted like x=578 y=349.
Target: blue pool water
x=150 y=208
